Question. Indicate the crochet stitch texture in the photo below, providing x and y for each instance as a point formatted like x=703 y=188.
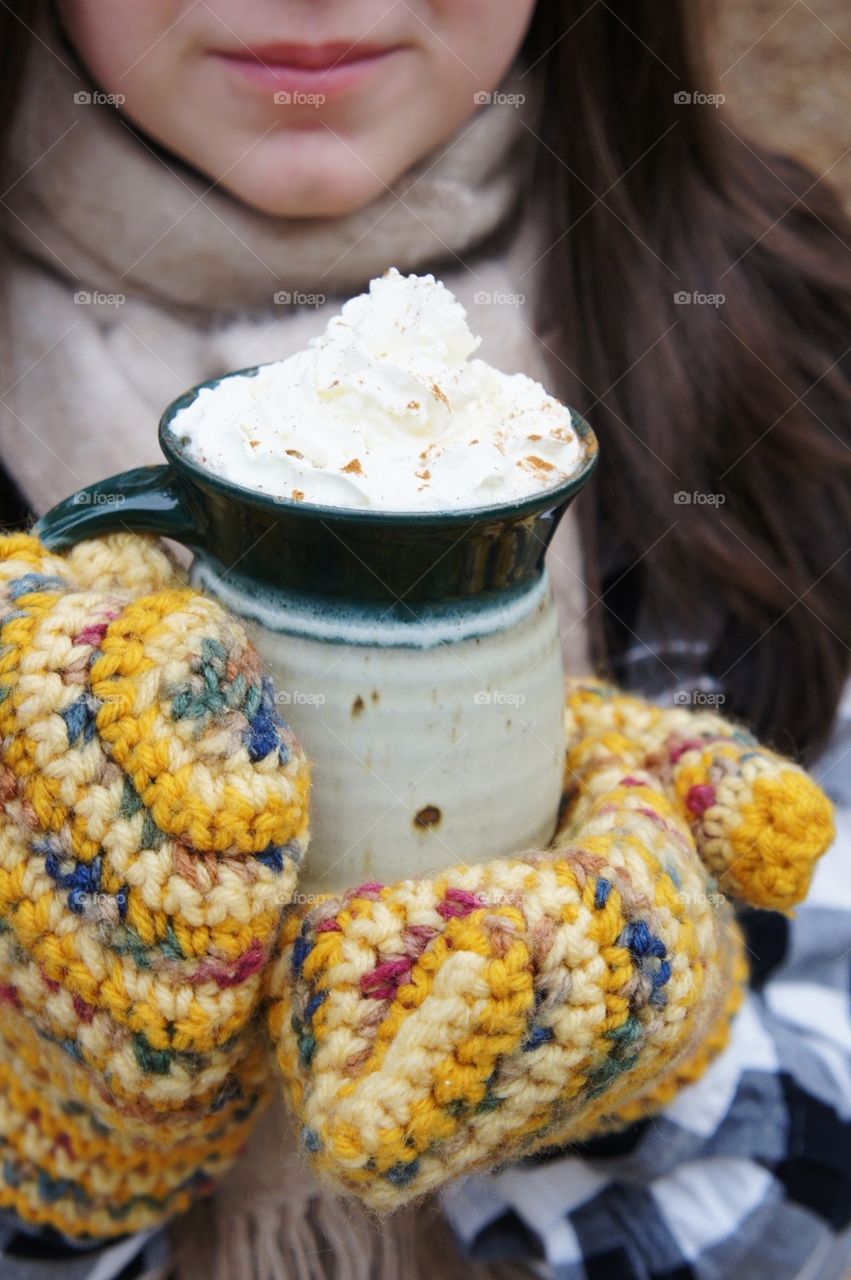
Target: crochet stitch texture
x=157 y=980
x=431 y=1027
x=155 y=810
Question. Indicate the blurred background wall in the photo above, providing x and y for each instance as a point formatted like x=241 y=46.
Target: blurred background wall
x=785 y=69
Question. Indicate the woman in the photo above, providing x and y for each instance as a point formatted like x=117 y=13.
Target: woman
x=190 y=187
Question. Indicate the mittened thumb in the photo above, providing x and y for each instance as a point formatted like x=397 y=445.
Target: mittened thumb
x=132 y=563
x=759 y=822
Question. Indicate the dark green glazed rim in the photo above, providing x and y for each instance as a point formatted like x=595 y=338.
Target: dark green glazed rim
x=336 y=552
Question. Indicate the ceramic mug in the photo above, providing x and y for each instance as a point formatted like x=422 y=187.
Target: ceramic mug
x=416 y=655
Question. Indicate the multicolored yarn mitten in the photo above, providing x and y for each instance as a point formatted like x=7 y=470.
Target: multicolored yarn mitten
x=437 y=1026
x=155 y=811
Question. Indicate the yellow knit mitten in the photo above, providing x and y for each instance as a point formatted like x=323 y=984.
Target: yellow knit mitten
x=438 y=1026
x=155 y=812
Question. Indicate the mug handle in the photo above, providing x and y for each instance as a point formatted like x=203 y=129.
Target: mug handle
x=144 y=500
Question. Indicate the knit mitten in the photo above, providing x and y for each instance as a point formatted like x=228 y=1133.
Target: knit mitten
x=154 y=814
x=437 y=1026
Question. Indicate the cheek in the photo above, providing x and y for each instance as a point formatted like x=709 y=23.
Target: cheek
x=125 y=43
x=479 y=39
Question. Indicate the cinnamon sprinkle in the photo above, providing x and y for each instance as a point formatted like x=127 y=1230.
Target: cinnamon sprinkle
x=535 y=463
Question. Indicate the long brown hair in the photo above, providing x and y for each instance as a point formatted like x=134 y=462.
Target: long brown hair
x=743 y=406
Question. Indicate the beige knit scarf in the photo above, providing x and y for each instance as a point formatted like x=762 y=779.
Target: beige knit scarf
x=132 y=278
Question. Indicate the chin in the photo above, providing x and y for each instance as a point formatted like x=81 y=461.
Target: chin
x=316 y=186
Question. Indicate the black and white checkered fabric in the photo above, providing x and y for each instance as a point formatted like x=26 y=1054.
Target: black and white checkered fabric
x=747 y=1174
x=30 y=1253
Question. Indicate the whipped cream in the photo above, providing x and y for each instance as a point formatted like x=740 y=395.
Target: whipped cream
x=386 y=410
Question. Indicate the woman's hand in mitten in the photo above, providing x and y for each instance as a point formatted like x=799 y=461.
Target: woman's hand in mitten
x=155 y=812
x=442 y=1025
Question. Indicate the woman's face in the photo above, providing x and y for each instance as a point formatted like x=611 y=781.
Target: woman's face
x=298 y=107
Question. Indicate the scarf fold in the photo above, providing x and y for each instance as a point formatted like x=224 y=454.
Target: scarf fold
x=133 y=277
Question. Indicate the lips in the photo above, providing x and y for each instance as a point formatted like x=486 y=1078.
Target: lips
x=331 y=68
x=306 y=57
